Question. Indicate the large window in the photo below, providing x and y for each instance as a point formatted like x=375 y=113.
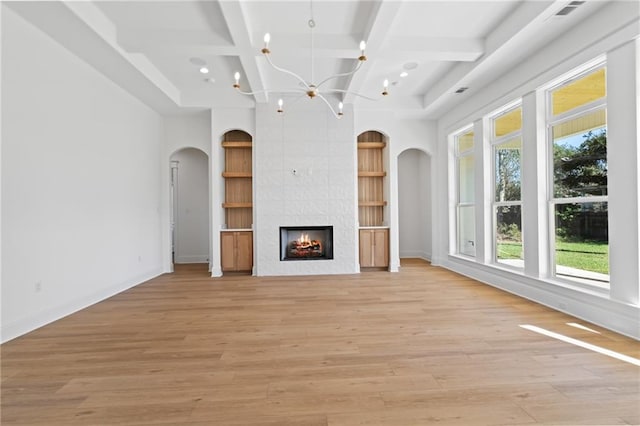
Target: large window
x=578 y=178
x=506 y=142
x=465 y=194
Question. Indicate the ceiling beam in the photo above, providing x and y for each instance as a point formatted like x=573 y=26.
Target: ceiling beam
x=501 y=45
x=84 y=30
x=165 y=40
x=239 y=27
x=434 y=48
x=375 y=34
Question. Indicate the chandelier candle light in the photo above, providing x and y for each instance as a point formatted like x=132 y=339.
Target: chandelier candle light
x=311 y=89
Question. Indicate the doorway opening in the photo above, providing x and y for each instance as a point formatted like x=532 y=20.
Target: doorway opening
x=190 y=233
x=414 y=204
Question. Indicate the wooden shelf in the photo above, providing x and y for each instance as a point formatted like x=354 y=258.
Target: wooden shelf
x=236 y=174
x=237 y=205
x=371 y=178
x=371 y=145
x=371 y=174
x=371 y=203
x=238 y=178
x=233 y=144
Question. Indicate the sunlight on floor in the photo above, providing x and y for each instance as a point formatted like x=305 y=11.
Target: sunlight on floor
x=582 y=327
x=582 y=344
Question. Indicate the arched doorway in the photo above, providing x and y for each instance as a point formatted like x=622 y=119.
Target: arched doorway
x=414 y=204
x=190 y=233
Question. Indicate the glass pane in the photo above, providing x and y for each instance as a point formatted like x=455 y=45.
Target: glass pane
x=467 y=230
x=508 y=173
x=582 y=242
x=466 y=187
x=509 y=122
x=509 y=235
x=465 y=142
x=580 y=157
x=579 y=92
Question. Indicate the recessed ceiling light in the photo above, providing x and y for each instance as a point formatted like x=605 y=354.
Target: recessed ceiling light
x=410 y=66
x=204 y=70
x=403 y=74
x=199 y=62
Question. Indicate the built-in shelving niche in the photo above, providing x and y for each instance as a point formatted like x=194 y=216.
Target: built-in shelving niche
x=237 y=176
x=373 y=234
x=236 y=241
x=371 y=178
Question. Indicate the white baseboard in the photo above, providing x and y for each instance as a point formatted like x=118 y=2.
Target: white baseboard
x=598 y=309
x=415 y=255
x=193 y=259
x=17 y=328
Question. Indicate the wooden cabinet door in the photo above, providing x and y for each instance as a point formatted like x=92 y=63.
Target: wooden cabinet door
x=380 y=247
x=366 y=247
x=244 y=251
x=227 y=251
x=374 y=248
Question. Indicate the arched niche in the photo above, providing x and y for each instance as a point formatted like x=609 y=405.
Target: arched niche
x=372 y=178
x=372 y=200
x=238 y=179
x=236 y=238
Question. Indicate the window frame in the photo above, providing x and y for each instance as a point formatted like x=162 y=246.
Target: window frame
x=495 y=142
x=552 y=120
x=457 y=155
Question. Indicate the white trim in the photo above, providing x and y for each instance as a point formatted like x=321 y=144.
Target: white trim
x=25 y=325
x=201 y=258
x=581 y=303
x=413 y=254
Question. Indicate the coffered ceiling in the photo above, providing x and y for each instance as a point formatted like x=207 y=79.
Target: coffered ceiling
x=155 y=49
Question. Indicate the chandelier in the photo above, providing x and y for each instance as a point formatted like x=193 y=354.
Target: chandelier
x=310 y=88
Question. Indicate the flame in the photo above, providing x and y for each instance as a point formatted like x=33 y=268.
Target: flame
x=304 y=238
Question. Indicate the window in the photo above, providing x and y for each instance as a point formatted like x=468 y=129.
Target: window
x=465 y=193
x=506 y=142
x=578 y=178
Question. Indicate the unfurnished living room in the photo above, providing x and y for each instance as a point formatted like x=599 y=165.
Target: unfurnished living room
x=311 y=212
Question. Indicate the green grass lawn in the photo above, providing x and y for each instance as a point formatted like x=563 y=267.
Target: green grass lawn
x=509 y=250
x=586 y=255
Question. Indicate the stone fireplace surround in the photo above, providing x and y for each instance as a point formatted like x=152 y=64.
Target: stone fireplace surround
x=305 y=165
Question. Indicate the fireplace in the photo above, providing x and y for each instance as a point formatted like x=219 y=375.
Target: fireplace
x=306 y=242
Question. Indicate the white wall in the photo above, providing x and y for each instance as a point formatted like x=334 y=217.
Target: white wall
x=192 y=206
x=80 y=183
x=617 y=40
x=414 y=204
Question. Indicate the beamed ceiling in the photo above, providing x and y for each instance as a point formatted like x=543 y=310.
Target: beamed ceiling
x=153 y=48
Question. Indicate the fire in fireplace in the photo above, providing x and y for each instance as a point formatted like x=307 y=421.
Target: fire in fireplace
x=306 y=242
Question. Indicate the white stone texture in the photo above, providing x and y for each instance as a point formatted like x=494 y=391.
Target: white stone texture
x=305 y=176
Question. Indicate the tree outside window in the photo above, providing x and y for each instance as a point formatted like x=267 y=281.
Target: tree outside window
x=506 y=141
x=579 y=179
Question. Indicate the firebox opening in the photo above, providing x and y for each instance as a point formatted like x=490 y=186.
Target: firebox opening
x=306 y=242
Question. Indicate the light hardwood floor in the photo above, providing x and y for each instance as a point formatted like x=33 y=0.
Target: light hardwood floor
x=422 y=346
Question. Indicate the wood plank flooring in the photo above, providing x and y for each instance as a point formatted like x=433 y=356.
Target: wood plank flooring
x=422 y=346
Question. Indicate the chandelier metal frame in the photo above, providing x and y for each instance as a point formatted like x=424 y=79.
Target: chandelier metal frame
x=309 y=88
